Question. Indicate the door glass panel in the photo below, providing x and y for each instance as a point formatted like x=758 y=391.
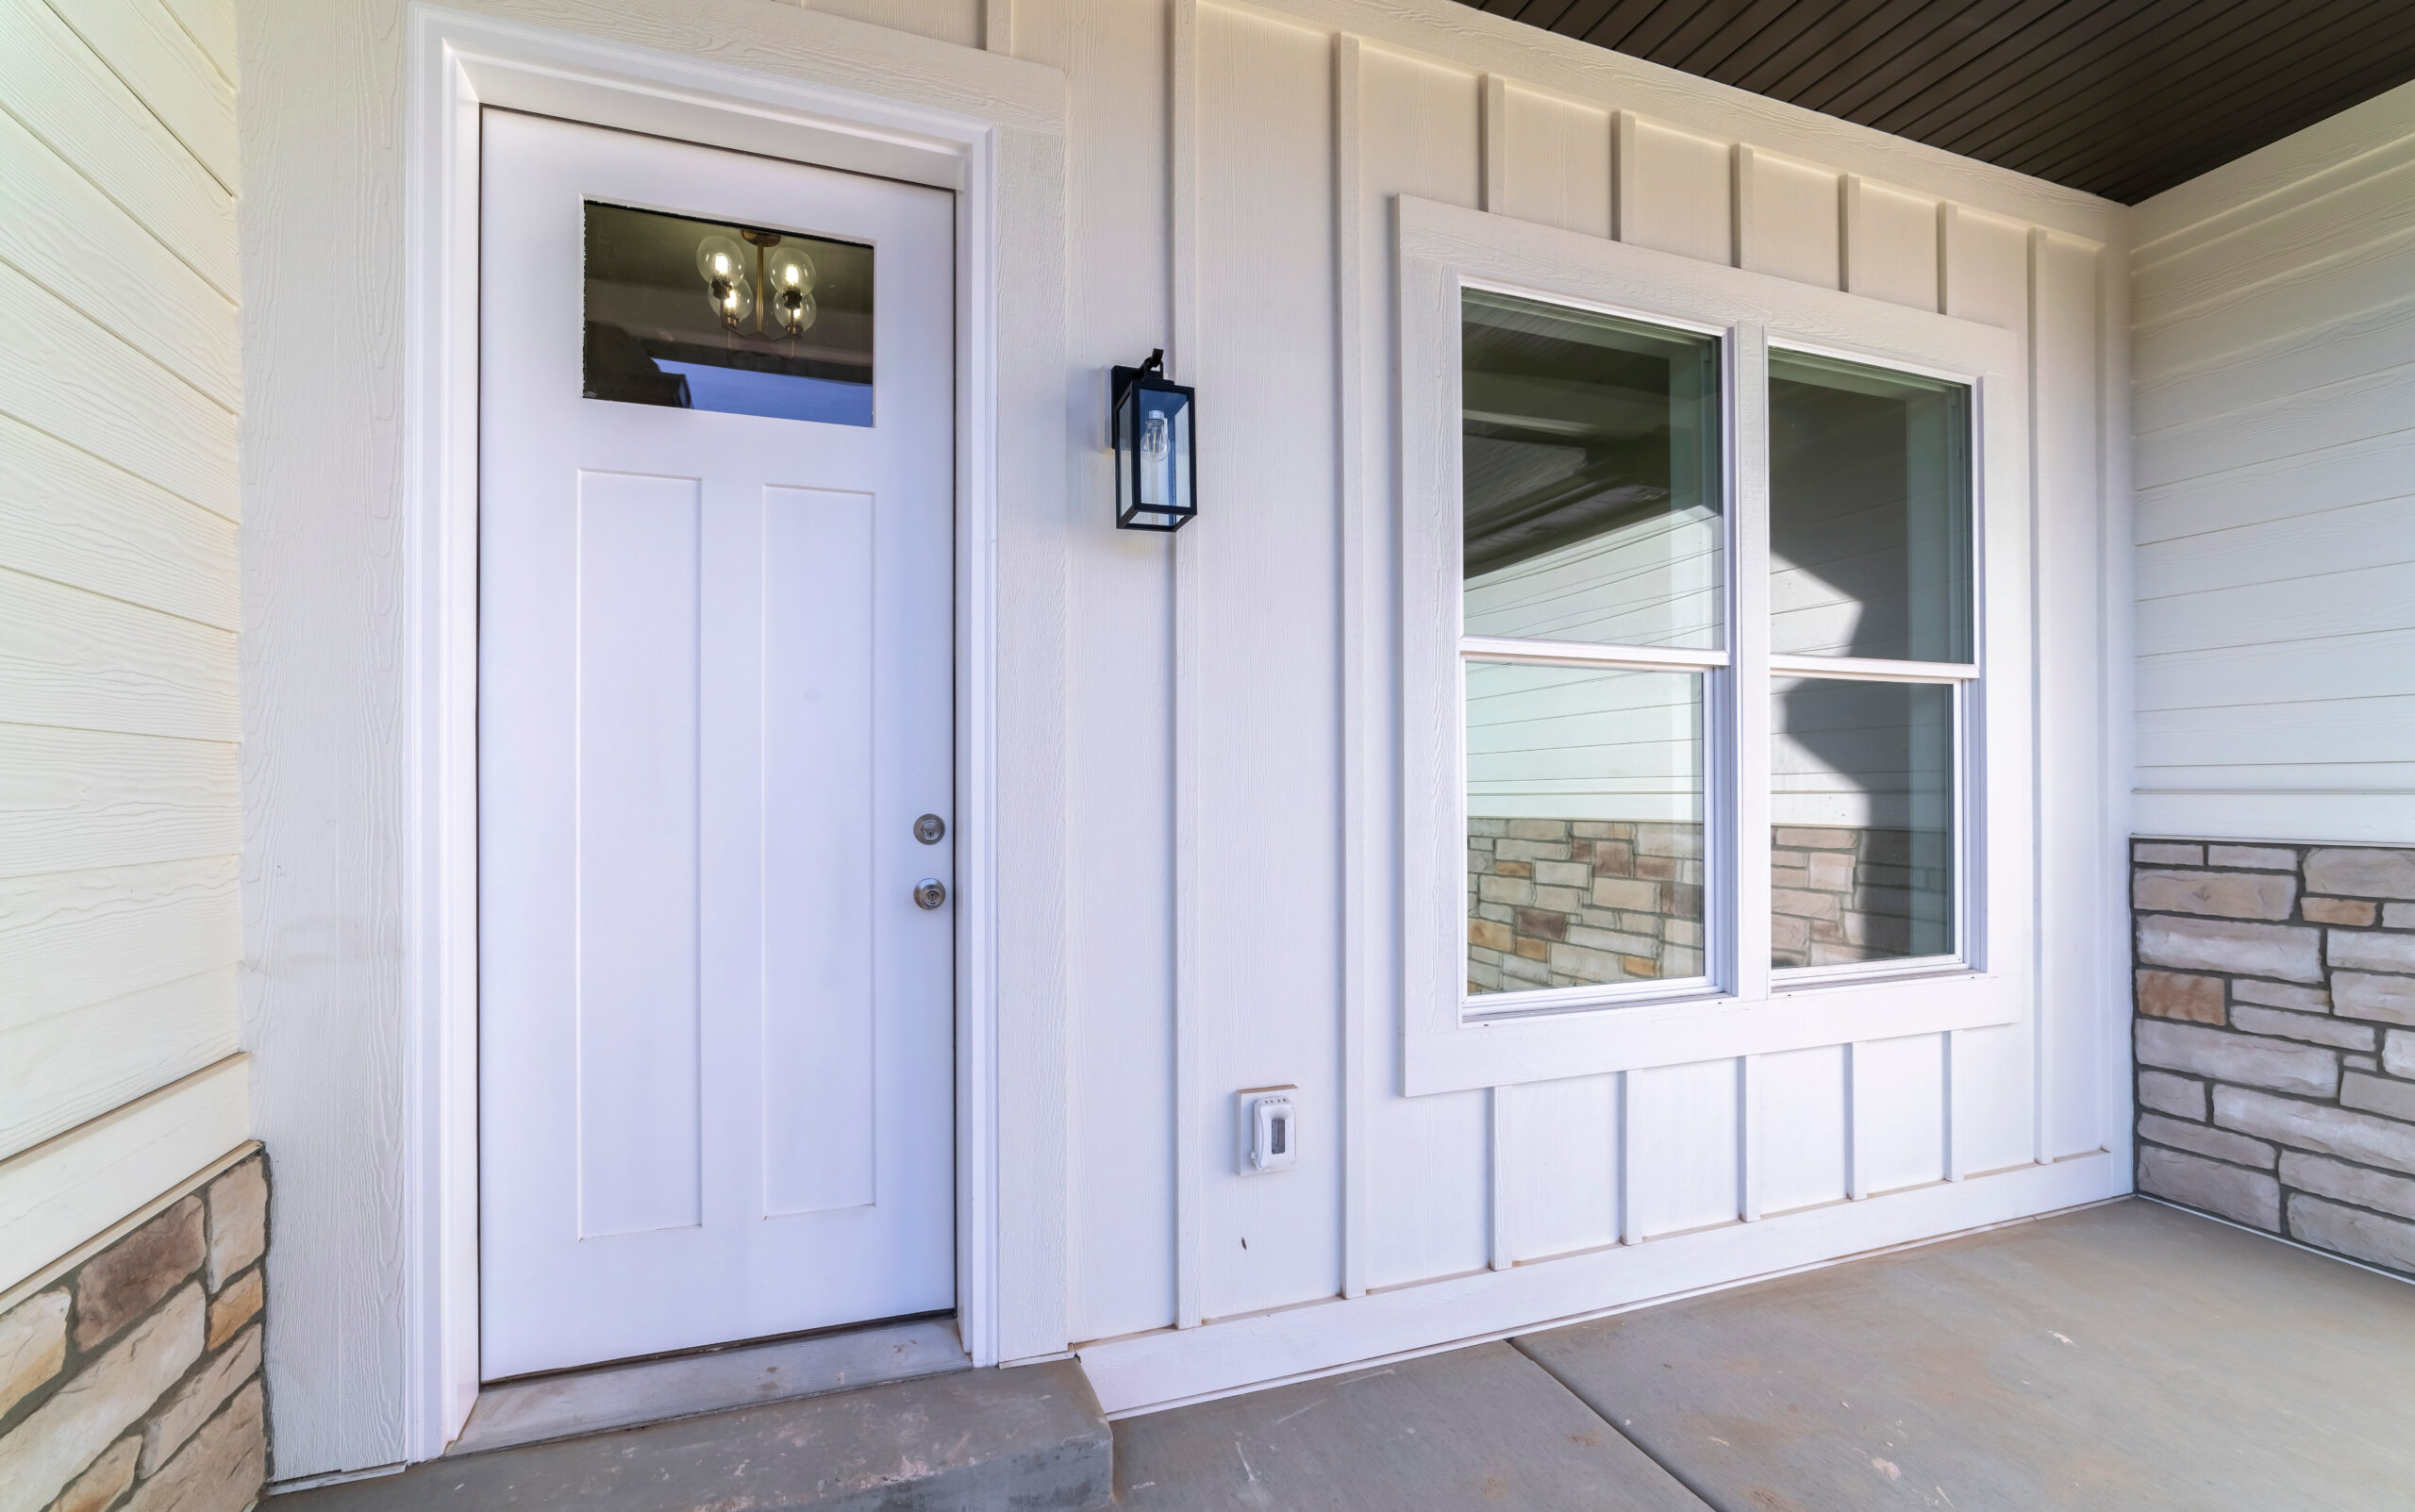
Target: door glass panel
x=1869 y=512
x=1585 y=826
x=709 y=315
x=1590 y=452
x=1862 y=808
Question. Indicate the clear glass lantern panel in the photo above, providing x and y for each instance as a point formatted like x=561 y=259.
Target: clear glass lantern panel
x=1585 y=826
x=1869 y=512
x=1862 y=862
x=705 y=315
x=1153 y=465
x=1590 y=488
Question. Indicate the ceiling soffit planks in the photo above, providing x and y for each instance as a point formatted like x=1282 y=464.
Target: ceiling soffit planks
x=2123 y=98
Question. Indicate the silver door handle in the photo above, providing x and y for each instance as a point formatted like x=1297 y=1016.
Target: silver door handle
x=929 y=893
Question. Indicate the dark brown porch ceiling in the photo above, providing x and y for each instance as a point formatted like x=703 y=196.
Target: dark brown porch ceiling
x=2123 y=98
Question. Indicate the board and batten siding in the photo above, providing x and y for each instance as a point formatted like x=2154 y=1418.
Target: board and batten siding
x=1230 y=697
x=2273 y=302
x=120 y=1073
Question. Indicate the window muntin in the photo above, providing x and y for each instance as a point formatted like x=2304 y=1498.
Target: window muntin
x=1589 y=467
x=1585 y=800
x=1869 y=512
x=692 y=314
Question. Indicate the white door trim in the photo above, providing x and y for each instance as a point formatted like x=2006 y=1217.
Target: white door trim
x=991 y=129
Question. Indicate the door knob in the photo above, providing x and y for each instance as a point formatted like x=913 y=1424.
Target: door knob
x=929 y=893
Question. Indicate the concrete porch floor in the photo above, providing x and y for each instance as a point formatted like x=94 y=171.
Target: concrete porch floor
x=2125 y=1358
x=2129 y=1356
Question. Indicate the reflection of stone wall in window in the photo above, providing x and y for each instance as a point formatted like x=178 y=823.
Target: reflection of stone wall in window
x=1582 y=902
x=1841 y=895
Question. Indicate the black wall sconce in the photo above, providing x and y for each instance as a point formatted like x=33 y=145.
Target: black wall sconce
x=1148 y=425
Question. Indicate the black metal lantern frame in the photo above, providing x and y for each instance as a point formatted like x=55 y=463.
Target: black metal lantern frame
x=1149 y=427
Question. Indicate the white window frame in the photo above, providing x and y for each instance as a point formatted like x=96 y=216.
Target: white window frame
x=1452 y=1042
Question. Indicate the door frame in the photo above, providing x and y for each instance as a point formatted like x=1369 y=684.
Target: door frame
x=990 y=129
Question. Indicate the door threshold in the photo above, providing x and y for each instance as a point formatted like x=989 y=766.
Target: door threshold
x=569 y=1404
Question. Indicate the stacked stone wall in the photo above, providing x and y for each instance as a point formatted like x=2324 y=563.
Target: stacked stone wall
x=2276 y=1039
x=133 y=1382
x=1578 y=903
x=1841 y=895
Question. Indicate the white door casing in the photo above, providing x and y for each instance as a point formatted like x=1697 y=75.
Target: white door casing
x=715 y=688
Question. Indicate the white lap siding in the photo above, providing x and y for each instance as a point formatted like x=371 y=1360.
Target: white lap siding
x=118 y=816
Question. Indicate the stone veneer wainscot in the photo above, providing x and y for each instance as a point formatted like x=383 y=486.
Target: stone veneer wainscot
x=2275 y=1038
x=133 y=1381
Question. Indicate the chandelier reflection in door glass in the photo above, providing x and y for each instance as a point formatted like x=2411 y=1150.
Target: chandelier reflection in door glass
x=703 y=315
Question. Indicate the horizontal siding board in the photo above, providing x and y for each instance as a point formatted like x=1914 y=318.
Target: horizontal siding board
x=2342 y=731
x=73 y=659
x=64 y=94
x=2286 y=672
x=2318 y=420
x=67 y=516
x=2302 y=545
x=211 y=26
x=167 y=70
x=2366 y=342
x=51 y=220
x=2283 y=777
x=61 y=1193
x=2308 y=298
x=2248 y=812
x=76 y=937
x=74 y=800
x=2279 y=490
x=2339 y=602
x=77 y=381
x=2353 y=216
x=65 y=1069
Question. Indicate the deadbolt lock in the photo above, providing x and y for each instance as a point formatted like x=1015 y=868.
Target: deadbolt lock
x=929 y=893
x=930 y=829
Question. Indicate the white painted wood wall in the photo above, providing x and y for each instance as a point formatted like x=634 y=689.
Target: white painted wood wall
x=119 y=818
x=1230 y=771
x=2275 y=309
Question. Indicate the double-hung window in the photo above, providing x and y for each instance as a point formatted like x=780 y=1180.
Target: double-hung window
x=1713 y=734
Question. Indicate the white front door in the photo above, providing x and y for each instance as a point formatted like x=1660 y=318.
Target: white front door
x=716 y=474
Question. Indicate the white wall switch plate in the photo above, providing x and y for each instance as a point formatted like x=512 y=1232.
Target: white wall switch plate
x=1269 y=1134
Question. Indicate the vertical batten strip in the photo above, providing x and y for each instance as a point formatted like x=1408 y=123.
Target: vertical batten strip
x=1740 y=205
x=1360 y=883
x=2117 y=668
x=1748 y=1138
x=2042 y=1037
x=1190 y=1109
x=998 y=26
x=1492 y=186
x=1621 y=172
x=1494 y=136
x=1504 y=1164
x=1848 y=226
x=1946 y=212
x=1857 y=1120
x=1957 y=1147
x=1630 y=1217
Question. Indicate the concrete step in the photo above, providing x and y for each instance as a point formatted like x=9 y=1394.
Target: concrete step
x=1028 y=1439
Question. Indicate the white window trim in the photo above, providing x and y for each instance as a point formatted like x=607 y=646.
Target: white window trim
x=1742 y=1010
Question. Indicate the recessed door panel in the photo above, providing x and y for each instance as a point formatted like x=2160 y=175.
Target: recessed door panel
x=817 y=878
x=639 y=1054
